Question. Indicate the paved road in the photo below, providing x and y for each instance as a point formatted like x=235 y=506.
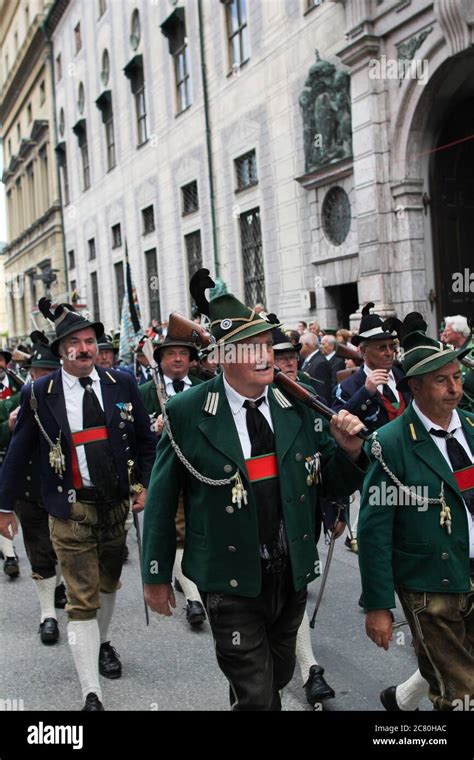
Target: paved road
x=168 y=666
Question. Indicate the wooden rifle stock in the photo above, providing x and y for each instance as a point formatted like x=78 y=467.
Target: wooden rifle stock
x=296 y=390
x=346 y=351
x=182 y=328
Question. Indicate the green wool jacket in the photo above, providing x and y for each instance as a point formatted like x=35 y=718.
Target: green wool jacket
x=221 y=550
x=402 y=543
x=7 y=405
x=150 y=398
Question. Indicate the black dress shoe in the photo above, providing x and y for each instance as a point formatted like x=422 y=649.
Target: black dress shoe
x=195 y=614
x=11 y=567
x=93 y=703
x=49 y=631
x=316 y=687
x=60 y=598
x=389 y=700
x=109 y=661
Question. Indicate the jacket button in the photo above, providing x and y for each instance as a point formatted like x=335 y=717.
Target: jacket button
x=305 y=537
x=124 y=437
x=369 y=402
x=302 y=497
x=298 y=456
x=60 y=489
x=121 y=424
x=30 y=462
x=232 y=548
x=28 y=477
x=308 y=575
x=230 y=510
x=227 y=468
x=234 y=583
x=363 y=407
x=27 y=493
x=445 y=582
x=445 y=555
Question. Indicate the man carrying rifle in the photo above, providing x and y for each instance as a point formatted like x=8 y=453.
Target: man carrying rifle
x=90 y=426
x=251 y=467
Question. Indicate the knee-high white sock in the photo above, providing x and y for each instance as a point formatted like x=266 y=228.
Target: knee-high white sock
x=190 y=590
x=304 y=649
x=84 y=640
x=411 y=692
x=104 y=615
x=6 y=546
x=45 y=590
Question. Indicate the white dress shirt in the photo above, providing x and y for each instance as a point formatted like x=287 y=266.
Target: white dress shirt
x=170 y=391
x=455 y=428
x=73 y=395
x=391 y=382
x=239 y=414
x=329 y=356
x=308 y=358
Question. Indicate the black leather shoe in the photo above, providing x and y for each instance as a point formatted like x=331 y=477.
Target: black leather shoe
x=11 y=567
x=93 y=703
x=316 y=687
x=389 y=700
x=177 y=586
x=60 y=599
x=109 y=661
x=195 y=614
x=49 y=631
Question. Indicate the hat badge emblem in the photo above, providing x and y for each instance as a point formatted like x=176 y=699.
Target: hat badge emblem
x=226 y=324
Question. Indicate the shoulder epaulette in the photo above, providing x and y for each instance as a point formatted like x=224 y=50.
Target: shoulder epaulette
x=412 y=431
x=50 y=385
x=111 y=377
x=211 y=403
x=282 y=400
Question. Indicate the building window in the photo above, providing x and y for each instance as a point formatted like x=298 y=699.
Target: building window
x=252 y=257
x=27 y=17
x=30 y=174
x=174 y=28
x=16 y=42
x=62 y=163
x=20 y=209
x=312 y=4
x=193 y=252
x=9 y=148
x=91 y=246
x=148 y=220
x=105 y=73
x=71 y=260
x=73 y=287
x=42 y=93
x=190 y=198
x=153 y=284
x=77 y=37
x=102 y=7
x=246 y=170
x=237 y=32
x=81 y=132
x=29 y=112
x=116 y=236
x=135 y=30
x=80 y=98
x=134 y=71
x=95 y=297
x=33 y=294
x=7 y=63
x=62 y=122
x=18 y=131
x=59 y=68
x=43 y=154
x=120 y=285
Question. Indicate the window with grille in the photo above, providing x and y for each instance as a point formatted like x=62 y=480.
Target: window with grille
x=134 y=71
x=153 y=284
x=252 y=257
x=71 y=259
x=77 y=37
x=116 y=236
x=148 y=219
x=193 y=252
x=104 y=104
x=91 y=246
x=246 y=170
x=174 y=28
x=95 y=297
x=190 y=198
x=120 y=285
x=237 y=32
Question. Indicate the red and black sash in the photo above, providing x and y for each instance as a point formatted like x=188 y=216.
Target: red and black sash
x=393 y=410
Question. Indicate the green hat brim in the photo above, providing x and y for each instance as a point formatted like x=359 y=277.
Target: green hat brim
x=432 y=366
x=255 y=328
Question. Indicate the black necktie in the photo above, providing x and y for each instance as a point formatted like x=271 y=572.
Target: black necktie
x=389 y=394
x=178 y=386
x=273 y=547
x=459 y=460
x=100 y=461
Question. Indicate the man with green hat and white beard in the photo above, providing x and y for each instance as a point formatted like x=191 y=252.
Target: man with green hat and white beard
x=251 y=462
x=416 y=522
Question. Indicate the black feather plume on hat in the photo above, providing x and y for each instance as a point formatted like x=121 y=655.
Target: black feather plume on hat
x=200 y=282
x=39 y=337
x=414 y=321
x=367 y=308
x=393 y=325
x=44 y=305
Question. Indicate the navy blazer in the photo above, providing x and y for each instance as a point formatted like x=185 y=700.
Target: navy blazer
x=129 y=440
x=352 y=395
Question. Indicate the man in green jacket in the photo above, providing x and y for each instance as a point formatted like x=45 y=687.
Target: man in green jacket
x=254 y=464
x=420 y=543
